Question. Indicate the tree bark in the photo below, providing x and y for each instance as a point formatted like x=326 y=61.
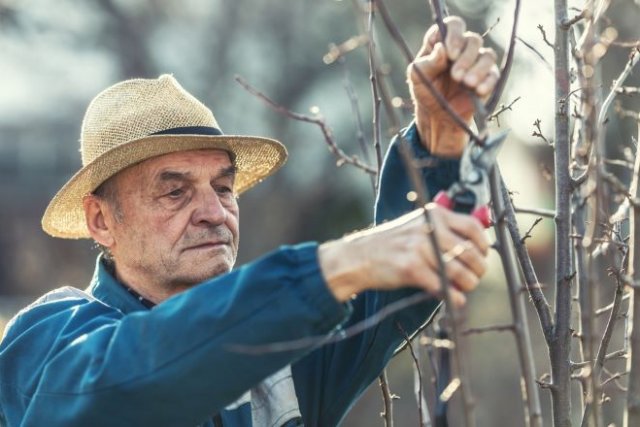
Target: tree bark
x=560 y=346
x=632 y=413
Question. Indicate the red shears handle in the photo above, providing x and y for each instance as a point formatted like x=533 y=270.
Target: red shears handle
x=481 y=213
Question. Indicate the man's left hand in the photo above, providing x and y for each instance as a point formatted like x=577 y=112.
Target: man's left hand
x=459 y=69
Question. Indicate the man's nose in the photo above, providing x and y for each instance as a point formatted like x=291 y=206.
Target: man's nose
x=209 y=209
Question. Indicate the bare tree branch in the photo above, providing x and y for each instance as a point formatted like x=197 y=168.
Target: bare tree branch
x=544 y=36
x=530 y=395
x=502 y=109
x=373 y=77
x=617 y=83
x=455 y=316
x=632 y=409
x=535 y=211
x=387 y=398
x=355 y=110
x=506 y=63
x=491 y=328
x=528 y=233
x=423 y=413
x=318 y=121
x=560 y=347
x=533 y=285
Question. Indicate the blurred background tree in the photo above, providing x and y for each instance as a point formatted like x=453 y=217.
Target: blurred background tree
x=55 y=57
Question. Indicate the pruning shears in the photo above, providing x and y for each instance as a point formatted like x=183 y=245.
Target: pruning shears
x=470 y=194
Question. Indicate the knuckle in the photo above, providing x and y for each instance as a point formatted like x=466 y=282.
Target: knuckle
x=487 y=51
x=454 y=21
x=473 y=282
x=469 y=226
x=473 y=38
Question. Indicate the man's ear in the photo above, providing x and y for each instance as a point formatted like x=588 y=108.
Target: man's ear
x=95 y=210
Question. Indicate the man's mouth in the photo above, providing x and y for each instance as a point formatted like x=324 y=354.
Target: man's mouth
x=207 y=245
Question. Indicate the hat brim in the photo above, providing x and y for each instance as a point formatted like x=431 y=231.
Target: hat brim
x=255 y=158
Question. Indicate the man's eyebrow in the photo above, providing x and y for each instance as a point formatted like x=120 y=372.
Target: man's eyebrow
x=174 y=176
x=228 y=171
x=186 y=176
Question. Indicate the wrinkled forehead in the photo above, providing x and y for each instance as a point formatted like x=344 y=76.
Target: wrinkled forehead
x=213 y=160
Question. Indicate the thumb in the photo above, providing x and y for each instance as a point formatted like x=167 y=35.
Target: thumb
x=431 y=65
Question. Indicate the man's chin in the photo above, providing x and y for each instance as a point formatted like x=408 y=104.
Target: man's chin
x=197 y=276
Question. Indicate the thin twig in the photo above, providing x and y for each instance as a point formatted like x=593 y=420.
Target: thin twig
x=544 y=36
x=632 y=408
x=528 y=233
x=355 y=110
x=373 y=78
x=502 y=109
x=393 y=31
x=387 y=398
x=488 y=30
x=506 y=63
x=569 y=22
x=606 y=337
x=536 y=52
x=439 y=11
x=530 y=395
x=318 y=121
x=535 y=211
x=608 y=307
x=491 y=328
x=614 y=377
x=454 y=315
x=617 y=83
x=538 y=132
x=423 y=414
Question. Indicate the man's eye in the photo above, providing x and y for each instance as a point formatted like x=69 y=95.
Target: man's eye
x=223 y=189
x=177 y=193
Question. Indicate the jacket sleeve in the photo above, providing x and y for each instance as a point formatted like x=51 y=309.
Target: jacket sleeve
x=330 y=379
x=75 y=362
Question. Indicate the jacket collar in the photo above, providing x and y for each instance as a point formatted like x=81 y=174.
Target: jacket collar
x=106 y=288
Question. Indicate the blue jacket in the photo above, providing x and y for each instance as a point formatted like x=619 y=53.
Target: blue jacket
x=101 y=358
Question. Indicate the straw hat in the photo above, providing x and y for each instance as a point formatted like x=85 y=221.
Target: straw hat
x=138 y=119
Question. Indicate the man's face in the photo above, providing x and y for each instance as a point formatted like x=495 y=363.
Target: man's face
x=178 y=222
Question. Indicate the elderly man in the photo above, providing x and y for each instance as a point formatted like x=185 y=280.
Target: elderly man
x=163 y=335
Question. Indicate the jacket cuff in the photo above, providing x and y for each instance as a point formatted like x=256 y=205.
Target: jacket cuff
x=315 y=293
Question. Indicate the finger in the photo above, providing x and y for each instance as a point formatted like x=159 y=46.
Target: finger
x=468 y=227
x=467 y=253
x=457 y=298
x=431 y=37
x=430 y=66
x=468 y=57
x=482 y=67
x=428 y=279
x=454 y=41
x=460 y=276
x=489 y=83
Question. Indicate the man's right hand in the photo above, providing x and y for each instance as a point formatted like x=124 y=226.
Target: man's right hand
x=399 y=253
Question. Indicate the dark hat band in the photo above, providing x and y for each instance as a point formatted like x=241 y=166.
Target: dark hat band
x=191 y=130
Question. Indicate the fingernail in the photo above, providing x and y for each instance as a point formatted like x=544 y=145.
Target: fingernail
x=471 y=80
x=457 y=74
